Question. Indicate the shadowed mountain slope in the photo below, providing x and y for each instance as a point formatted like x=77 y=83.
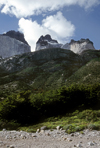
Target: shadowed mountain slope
x=47 y=69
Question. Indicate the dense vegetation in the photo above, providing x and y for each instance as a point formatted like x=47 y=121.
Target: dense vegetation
x=27 y=107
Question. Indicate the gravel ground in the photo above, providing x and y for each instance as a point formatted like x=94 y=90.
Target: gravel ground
x=49 y=139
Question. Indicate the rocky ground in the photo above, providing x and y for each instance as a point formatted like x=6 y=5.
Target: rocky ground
x=49 y=139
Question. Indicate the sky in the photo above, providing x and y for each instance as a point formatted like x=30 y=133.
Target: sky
x=62 y=19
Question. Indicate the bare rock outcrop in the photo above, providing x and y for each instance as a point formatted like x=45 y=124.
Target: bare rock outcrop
x=46 y=42
x=79 y=46
x=13 y=43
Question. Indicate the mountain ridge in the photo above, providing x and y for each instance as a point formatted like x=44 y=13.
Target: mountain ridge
x=43 y=69
x=49 y=68
x=45 y=42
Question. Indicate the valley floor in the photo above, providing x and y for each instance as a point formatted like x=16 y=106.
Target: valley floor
x=50 y=139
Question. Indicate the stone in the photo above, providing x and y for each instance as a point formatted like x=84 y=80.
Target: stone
x=43 y=128
x=4 y=130
x=48 y=134
x=38 y=130
x=79 y=145
x=42 y=131
x=58 y=127
x=90 y=143
x=72 y=134
x=23 y=136
x=11 y=146
x=64 y=138
x=54 y=135
x=68 y=139
x=34 y=135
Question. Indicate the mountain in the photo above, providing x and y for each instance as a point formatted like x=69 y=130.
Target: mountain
x=47 y=68
x=46 y=42
x=37 y=85
x=44 y=69
x=79 y=46
x=40 y=69
x=13 y=43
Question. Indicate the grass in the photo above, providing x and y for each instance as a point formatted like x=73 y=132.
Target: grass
x=72 y=122
x=88 y=74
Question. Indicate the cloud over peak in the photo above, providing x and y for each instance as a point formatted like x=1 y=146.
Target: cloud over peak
x=56 y=25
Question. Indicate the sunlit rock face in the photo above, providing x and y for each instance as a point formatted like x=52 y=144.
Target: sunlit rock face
x=79 y=46
x=13 y=43
x=46 y=42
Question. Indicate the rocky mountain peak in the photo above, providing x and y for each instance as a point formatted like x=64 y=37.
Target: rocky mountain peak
x=46 y=38
x=16 y=35
x=79 y=46
x=46 y=42
x=81 y=41
x=13 y=43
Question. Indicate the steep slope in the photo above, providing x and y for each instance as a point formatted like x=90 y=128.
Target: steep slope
x=88 y=74
x=87 y=55
x=43 y=69
x=47 y=69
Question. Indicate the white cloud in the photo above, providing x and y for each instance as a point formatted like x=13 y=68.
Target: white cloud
x=24 y=8
x=57 y=26
x=88 y=3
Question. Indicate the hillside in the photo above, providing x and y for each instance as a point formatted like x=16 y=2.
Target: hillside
x=88 y=74
x=45 y=69
x=39 y=86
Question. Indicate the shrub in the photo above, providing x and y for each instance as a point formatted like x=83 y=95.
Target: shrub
x=27 y=107
x=94 y=126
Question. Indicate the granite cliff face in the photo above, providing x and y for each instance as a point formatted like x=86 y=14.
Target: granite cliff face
x=46 y=42
x=13 y=43
x=16 y=35
x=78 y=47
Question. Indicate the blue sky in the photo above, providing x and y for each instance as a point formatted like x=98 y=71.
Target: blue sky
x=63 y=20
